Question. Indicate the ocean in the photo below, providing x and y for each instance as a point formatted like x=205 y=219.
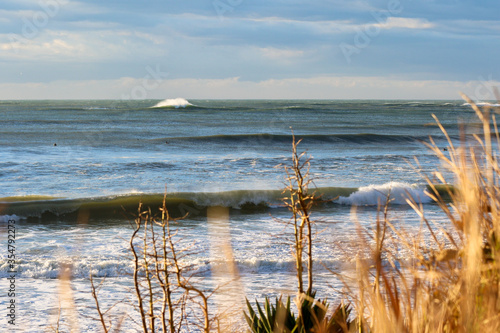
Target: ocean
x=61 y=160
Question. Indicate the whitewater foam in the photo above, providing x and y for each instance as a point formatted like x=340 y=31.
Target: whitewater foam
x=7 y=218
x=43 y=267
x=372 y=195
x=173 y=103
x=483 y=104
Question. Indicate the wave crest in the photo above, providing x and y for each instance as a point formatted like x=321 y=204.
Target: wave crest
x=372 y=195
x=173 y=103
x=483 y=104
x=248 y=201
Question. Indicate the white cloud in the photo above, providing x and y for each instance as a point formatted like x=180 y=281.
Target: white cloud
x=335 y=26
x=306 y=88
x=64 y=46
x=276 y=20
x=320 y=26
x=405 y=23
x=23 y=48
x=344 y=26
x=49 y=45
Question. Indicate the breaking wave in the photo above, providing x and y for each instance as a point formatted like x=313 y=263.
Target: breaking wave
x=374 y=195
x=173 y=103
x=195 y=203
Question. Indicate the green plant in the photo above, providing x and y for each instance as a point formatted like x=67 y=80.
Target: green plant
x=312 y=318
x=273 y=318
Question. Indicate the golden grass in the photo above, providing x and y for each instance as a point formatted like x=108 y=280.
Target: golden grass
x=451 y=284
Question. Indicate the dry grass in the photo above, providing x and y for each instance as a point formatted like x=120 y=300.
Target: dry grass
x=449 y=283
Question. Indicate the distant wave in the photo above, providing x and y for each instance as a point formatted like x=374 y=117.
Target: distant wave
x=173 y=103
x=373 y=195
x=483 y=104
x=95 y=108
x=315 y=138
x=301 y=107
x=420 y=104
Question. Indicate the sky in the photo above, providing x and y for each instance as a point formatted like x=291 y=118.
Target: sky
x=224 y=49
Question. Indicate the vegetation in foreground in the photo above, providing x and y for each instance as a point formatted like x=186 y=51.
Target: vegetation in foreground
x=450 y=284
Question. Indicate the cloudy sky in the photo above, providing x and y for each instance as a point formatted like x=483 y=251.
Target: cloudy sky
x=329 y=49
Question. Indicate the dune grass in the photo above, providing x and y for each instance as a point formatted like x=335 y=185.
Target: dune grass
x=449 y=283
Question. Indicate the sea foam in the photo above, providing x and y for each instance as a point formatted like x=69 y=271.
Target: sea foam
x=173 y=103
x=7 y=218
x=372 y=195
x=483 y=104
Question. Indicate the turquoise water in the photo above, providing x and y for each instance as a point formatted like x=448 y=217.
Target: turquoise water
x=61 y=158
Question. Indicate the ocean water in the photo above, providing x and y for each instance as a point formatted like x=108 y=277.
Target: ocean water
x=71 y=170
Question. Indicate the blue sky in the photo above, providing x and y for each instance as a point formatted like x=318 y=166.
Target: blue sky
x=427 y=49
